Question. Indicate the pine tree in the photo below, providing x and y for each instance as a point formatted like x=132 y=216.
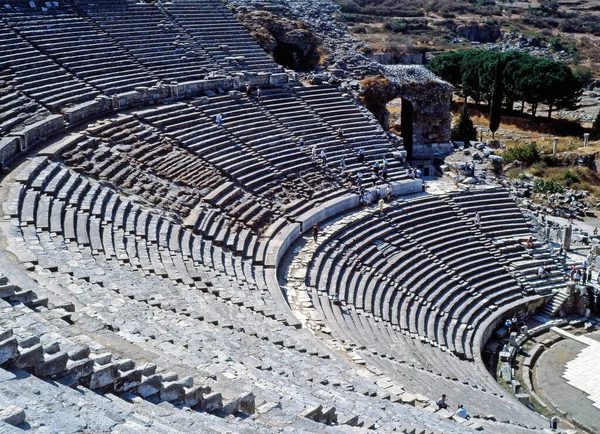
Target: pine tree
x=464 y=130
x=497 y=97
x=595 y=133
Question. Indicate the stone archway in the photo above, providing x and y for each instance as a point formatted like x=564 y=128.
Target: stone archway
x=427 y=120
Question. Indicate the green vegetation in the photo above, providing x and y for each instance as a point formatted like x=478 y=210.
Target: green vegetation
x=525 y=78
x=464 y=130
x=544 y=186
x=528 y=154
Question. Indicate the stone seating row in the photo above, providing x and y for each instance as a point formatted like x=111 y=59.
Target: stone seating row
x=252 y=164
x=97 y=283
x=220 y=34
x=387 y=268
x=304 y=121
x=80 y=47
x=142 y=161
x=39 y=77
x=153 y=39
x=61 y=202
x=500 y=216
x=32 y=342
x=362 y=328
x=16 y=108
x=341 y=112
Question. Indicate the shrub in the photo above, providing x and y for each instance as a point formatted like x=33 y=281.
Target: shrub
x=528 y=154
x=569 y=177
x=543 y=186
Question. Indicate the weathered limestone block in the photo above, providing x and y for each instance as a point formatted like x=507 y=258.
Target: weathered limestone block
x=9 y=349
x=128 y=380
x=6 y=291
x=103 y=375
x=173 y=391
x=329 y=416
x=150 y=386
x=313 y=413
x=194 y=395
x=30 y=357
x=53 y=364
x=212 y=402
x=80 y=368
x=13 y=415
x=244 y=403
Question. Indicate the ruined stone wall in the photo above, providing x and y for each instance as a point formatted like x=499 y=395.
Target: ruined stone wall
x=431 y=104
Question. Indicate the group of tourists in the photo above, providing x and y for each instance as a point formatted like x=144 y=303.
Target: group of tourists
x=461 y=411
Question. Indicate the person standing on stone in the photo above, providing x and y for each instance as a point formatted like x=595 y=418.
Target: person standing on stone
x=340 y=133
x=554 y=422
x=388 y=192
x=314 y=153
x=219 y=119
x=361 y=155
x=301 y=143
x=315 y=232
x=380 y=203
x=477 y=219
x=248 y=91
x=323 y=157
x=376 y=168
x=259 y=94
x=384 y=172
x=342 y=164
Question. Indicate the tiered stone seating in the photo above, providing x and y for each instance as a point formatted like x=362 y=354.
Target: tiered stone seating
x=398 y=345
x=500 y=216
x=82 y=48
x=39 y=77
x=300 y=118
x=428 y=275
x=16 y=109
x=247 y=152
x=153 y=39
x=339 y=112
x=215 y=29
x=32 y=341
x=129 y=275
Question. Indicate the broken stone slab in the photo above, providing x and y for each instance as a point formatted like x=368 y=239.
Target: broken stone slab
x=128 y=380
x=212 y=402
x=173 y=391
x=150 y=386
x=53 y=364
x=9 y=349
x=30 y=357
x=13 y=415
x=104 y=375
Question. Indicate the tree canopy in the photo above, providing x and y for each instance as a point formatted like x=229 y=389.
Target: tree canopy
x=525 y=78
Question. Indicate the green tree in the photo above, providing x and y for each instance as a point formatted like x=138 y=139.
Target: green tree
x=447 y=67
x=595 y=132
x=464 y=130
x=497 y=97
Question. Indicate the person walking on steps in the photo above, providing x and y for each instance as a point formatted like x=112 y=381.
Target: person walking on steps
x=259 y=94
x=315 y=232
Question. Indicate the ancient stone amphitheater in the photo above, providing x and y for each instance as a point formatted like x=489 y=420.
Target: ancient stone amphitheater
x=156 y=272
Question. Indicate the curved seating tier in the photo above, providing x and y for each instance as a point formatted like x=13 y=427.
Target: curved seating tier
x=421 y=268
x=151 y=287
x=38 y=76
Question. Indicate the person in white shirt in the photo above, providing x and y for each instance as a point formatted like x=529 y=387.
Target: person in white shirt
x=461 y=412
